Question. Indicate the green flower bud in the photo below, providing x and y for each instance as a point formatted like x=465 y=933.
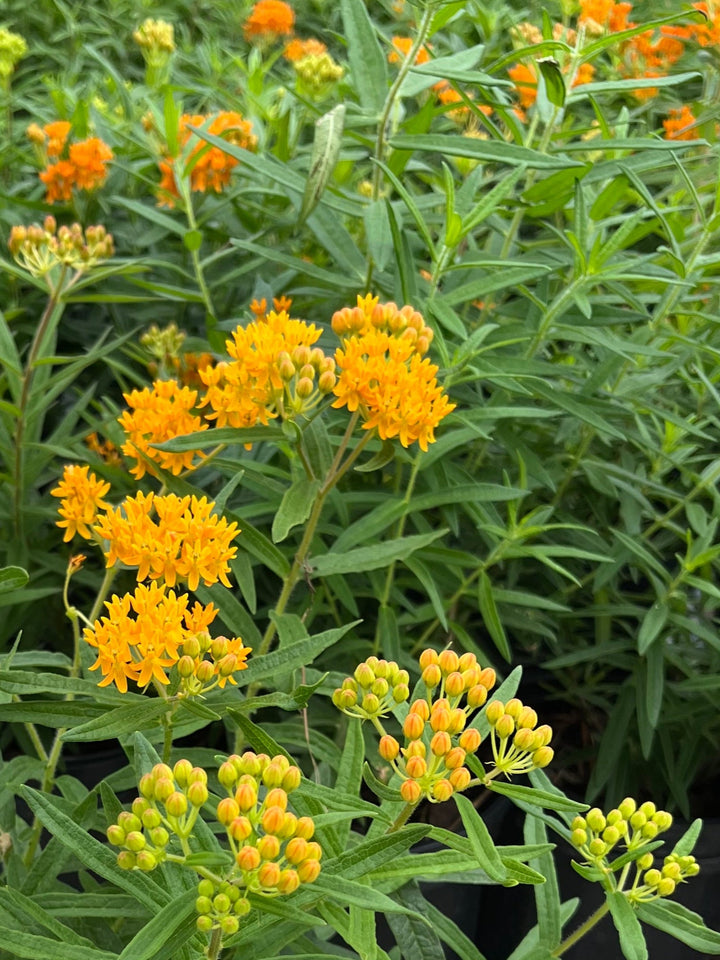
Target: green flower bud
x=135 y=841
x=370 y=704
x=666 y=887
x=627 y=807
x=151 y=818
x=159 y=836
x=645 y=862
x=227 y=775
x=652 y=878
x=176 y=804
x=380 y=687
x=650 y=830
x=579 y=823
x=126 y=860
x=139 y=806
x=596 y=820
x=400 y=692
x=672 y=870
x=638 y=820
x=663 y=820
x=578 y=838
x=229 y=925
x=364 y=675
x=597 y=847
x=242 y=907
x=204 y=924
x=611 y=835
x=613 y=817
x=116 y=835
x=146 y=861
x=221 y=903
x=648 y=808
x=206 y=888
x=204 y=905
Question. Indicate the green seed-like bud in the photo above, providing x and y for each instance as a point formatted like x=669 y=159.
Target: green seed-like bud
x=139 y=806
x=663 y=819
x=596 y=820
x=206 y=888
x=204 y=924
x=364 y=675
x=221 y=903
x=628 y=807
x=400 y=692
x=645 y=862
x=135 y=841
x=229 y=925
x=613 y=817
x=242 y=907
x=380 y=687
x=176 y=804
x=666 y=887
x=579 y=823
x=611 y=835
x=648 y=808
x=126 y=860
x=597 y=847
x=370 y=704
x=638 y=820
x=292 y=779
x=146 y=861
x=203 y=905
x=186 y=667
x=652 y=878
x=578 y=838
x=147 y=785
x=227 y=775
x=672 y=870
x=650 y=830
x=128 y=821
x=159 y=836
x=116 y=835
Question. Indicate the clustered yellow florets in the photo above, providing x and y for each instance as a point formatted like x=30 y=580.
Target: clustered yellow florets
x=156 y=415
x=275 y=371
x=383 y=375
x=82 y=496
x=146 y=633
x=518 y=744
x=186 y=541
x=273 y=850
x=597 y=834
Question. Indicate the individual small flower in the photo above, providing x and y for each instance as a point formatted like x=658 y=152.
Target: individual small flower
x=401 y=49
x=145 y=633
x=268 y=20
x=12 y=49
x=297 y=49
x=82 y=496
x=680 y=124
x=210 y=167
x=186 y=541
x=157 y=415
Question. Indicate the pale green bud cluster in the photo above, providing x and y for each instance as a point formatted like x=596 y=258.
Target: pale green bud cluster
x=308 y=375
x=652 y=883
x=206 y=663
x=165 y=344
x=155 y=36
x=220 y=905
x=596 y=834
x=41 y=248
x=317 y=74
x=376 y=687
x=12 y=49
x=518 y=743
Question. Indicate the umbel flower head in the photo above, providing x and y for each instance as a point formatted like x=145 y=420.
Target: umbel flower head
x=12 y=49
x=156 y=39
x=269 y=20
x=79 y=166
x=186 y=541
x=40 y=249
x=317 y=74
x=157 y=415
x=383 y=374
x=81 y=494
x=209 y=167
x=274 y=371
x=147 y=632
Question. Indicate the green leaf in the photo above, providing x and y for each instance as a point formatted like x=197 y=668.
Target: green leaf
x=681 y=923
x=170 y=929
x=482 y=845
x=351 y=893
x=201 y=439
x=193 y=240
x=496 y=151
x=654 y=682
x=292 y=657
x=653 y=622
x=547 y=895
x=632 y=941
x=509 y=276
x=95 y=855
x=13 y=578
x=450 y=934
x=539 y=798
x=578 y=408
x=37 y=914
x=263 y=549
x=325 y=152
x=120 y=721
x=380 y=789
x=367 y=60
x=686 y=843
x=50 y=713
x=369 y=855
x=232 y=613
x=374 y=557
x=350 y=772
x=295 y=507
x=153 y=215
x=378 y=232
x=22 y=944
x=415 y=937
x=554 y=80
x=490 y=615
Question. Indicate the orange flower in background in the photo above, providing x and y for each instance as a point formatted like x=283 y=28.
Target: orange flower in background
x=84 y=166
x=268 y=20
x=186 y=541
x=297 y=49
x=680 y=124
x=82 y=496
x=59 y=180
x=383 y=375
x=157 y=415
x=212 y=166
x=401 y=48
x=105 y=449
x=57 y=134
x=525 y=79
x=90 y=158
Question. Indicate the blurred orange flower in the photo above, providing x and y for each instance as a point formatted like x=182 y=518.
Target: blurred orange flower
x=268 y=20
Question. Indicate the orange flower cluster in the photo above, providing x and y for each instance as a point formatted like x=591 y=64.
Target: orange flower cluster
x=211 y=166
x=82 y=496
x=104 y=448
x=268 y=20
x=186 y=542
x=600 y=15
x=83 y=168
x=680 y=125
x=299 y=49
x=401 y=48
x=383 y=374
x=156 y=415
x=525 y=78
x=274 y=371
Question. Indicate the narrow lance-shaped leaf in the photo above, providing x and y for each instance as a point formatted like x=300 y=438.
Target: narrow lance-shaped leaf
x=325 y=152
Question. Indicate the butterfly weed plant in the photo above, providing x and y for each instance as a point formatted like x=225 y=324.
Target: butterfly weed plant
x=359 y=378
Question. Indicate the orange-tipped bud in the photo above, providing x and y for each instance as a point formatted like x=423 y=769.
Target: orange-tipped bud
x=248 y=858
x=527 y=718
x=296 y=850
x=477 y=695
x=505 y=727
x=116 y=835
x=543 y=756
x=455 y=758
x=427 y=657
x=252 y=763
x=421 y=708
x=468 y=661
x=309 y=871
x=291 y=779
x=240 y=829
x=415 y=767
x=494 y=710
x=440 y=718
x=470 y=739
x=524 y=739
x=289 y=826
x=454 y=684
x=164 y=788
x=276 y=797
x=441 y=743
x=364 y=675
x=268 y=874
x=273 y=820
x=288 y=881
x=314 y=851
x=246 y=796
x=460 y=778
x=389 y=747
x=197 y=793
x=273 y=774
x=410 y=791
x=304 y=828
x=414 y=726
x=543 y=735
x=227 y=811
x=227 y=775
x=431 y=676
x=416 y=748
x=513 y=708
x=487 y=678
x=442 y=790
x=448 y=661
x=457 y=721
x=176 y=804
x=268 y=847
x=140 y=806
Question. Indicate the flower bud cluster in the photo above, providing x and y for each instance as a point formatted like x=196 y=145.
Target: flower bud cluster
x=402 y=322
x=12 y=49
x=518 y=743
x=155 y=36
x=317 y=74
x=376 y=687
x=206 y=663
x=273 y=849
x=596 y=834
x=40 y=248
x=307 y=375
x=169 y=802
x=653 y=883
x=220 y=905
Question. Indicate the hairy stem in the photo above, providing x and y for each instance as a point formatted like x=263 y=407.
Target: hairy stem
x=581 y=930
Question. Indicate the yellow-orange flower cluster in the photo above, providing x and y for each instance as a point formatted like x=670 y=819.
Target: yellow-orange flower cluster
x=385 y=377
x=298 y=49
x=104 y=448
x=268 y=20
x=145 y=633
x=401 y=48
x=274 y=371
x=84 y=166
x=211 y=166
x=82 y=496
x=186 y=541
x=680 y=124
x=157 y=415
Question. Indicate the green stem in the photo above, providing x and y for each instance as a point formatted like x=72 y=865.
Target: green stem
x=402 y=818
x=195 y=253
x=102 y=593
x=215 y=945
x=582 y=930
